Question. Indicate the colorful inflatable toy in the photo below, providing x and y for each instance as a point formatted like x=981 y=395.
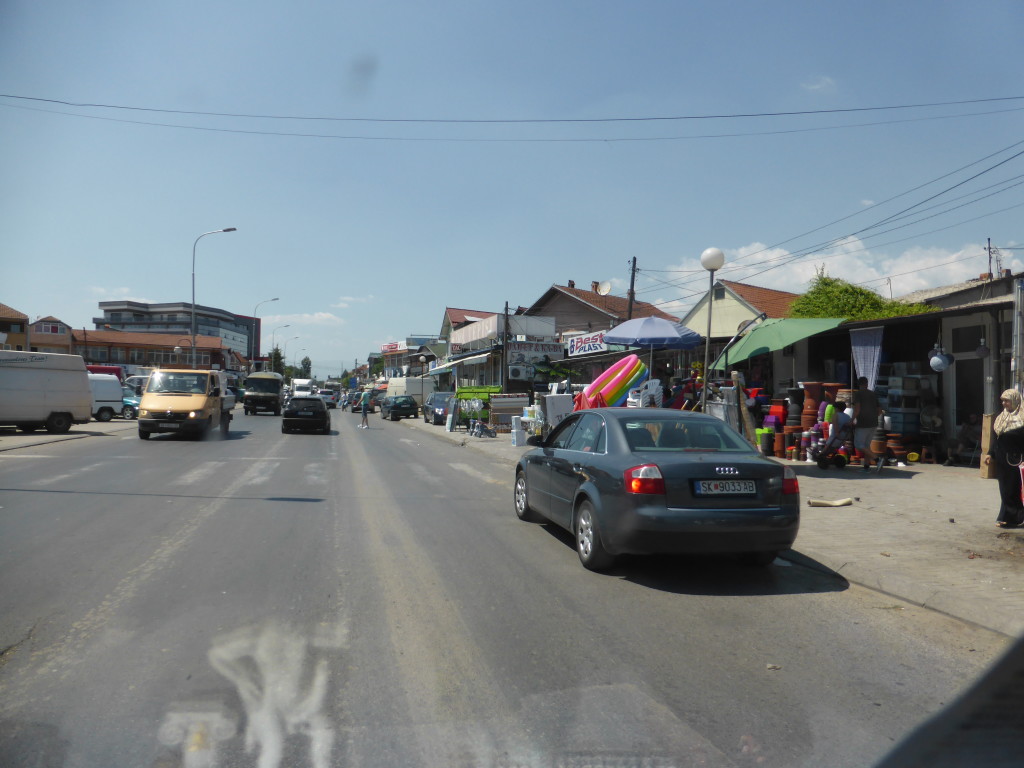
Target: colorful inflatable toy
x=614 y=384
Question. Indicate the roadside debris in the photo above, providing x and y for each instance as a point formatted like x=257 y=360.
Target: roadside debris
x=826 y=503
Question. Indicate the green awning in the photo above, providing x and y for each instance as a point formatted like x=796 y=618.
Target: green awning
x=772 y=335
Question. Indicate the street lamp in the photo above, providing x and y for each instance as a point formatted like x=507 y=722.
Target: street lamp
x=423 y=365
x=712 y=259
x=214 y=232
x=177 y=350
x=284 y=356
x=255 y=346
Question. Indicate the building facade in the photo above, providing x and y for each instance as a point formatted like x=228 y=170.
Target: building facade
x=237 y=331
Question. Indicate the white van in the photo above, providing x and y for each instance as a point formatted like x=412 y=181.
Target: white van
x=106 y=395
x=40 y=389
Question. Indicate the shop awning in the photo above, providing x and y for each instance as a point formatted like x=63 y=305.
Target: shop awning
x=471 y=360
x=772 y=335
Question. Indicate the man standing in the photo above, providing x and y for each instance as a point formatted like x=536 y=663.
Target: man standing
x=364 y=403
x=865 y=420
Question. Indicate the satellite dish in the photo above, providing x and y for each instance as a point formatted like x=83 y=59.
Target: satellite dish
x=603 y=289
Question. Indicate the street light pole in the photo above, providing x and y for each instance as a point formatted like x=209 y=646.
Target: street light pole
x=284 y=356
x=214 y=232
x=712 y=260
x=255 y=340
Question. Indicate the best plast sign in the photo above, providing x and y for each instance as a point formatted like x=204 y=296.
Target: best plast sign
x=586 y=344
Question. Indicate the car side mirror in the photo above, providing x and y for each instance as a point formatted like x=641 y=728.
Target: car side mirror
x=215 y=392
x=138 y=390
x=535 y=440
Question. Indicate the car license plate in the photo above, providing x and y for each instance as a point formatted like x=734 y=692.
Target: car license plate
x=305 y=413
x=725 y=488
x=168 y=425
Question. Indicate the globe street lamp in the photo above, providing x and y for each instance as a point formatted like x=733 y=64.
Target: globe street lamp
x=255 y=341
x=177 y=351
x=214 y=232
x=712 y=259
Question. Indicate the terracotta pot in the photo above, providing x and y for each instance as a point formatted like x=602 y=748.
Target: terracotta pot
x=813 y=391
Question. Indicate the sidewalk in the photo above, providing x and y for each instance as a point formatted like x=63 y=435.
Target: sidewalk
x=924 y=533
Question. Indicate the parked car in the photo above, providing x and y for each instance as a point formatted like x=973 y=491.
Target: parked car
x=106 y=395
x=644 y=481
x=375 y=402
x=399 y=407
x=129 y=403
x=435 y=407
x=330 y=397
x=307 y=413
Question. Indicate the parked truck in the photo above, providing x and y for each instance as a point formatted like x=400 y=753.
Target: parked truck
x=41 y=389
x=188 y=401
x=411 y=385
x=264 y=391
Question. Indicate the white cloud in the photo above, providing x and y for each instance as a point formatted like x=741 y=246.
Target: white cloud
x=820 y=85
x=105 y=293
x=344 y=302
x=867 y=203
x=308 y=318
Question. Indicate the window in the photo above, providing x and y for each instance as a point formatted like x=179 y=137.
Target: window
x=563 y=432
x=49 y=328
x=589 y=435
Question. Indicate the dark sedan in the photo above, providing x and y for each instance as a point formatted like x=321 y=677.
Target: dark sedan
x=306 y=414
x=399 y=407
x=646 y=480
x=435 y=407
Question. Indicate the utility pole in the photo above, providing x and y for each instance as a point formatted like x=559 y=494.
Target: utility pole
x=632 y=282
x=504 y=349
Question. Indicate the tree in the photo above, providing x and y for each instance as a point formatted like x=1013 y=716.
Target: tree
x=306 y=368
x=832 y=297
x=276 y=363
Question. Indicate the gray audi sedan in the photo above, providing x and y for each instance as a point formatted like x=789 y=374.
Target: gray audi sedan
x=650 y=480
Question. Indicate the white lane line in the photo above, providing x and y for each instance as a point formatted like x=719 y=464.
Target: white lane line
x=422 y=473
x=476 y=474
x=67 y=475
x=262 y=471
x=201 y=472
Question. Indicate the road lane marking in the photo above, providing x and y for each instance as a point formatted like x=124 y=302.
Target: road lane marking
x=475 y=474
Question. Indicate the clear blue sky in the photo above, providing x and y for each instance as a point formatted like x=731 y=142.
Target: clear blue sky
x=368 y=224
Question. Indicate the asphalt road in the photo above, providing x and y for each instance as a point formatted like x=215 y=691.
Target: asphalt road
x=370 y=599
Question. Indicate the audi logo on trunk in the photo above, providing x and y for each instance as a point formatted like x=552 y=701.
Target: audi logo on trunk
x=726 y=471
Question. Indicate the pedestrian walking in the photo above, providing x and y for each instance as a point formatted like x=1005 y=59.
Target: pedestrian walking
x=865 y=419
x=1007 y=453
x=364 y=403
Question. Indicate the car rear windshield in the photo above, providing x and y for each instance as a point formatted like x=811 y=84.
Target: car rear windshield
x=662 y=435
x=404 y=400
x=302 y=403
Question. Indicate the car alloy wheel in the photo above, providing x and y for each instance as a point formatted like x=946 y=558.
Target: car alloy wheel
x=588 y=540
x=523 y=510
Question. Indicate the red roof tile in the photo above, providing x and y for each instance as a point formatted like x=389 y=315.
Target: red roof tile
x=136 y=338
x=774 y=303
x=614 y=306
x=9 y=313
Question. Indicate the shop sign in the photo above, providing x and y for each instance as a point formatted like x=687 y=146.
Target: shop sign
x=394 y=346
x=533 y=352
x=586 y=344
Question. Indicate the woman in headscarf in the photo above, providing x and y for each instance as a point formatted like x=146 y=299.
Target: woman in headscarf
x=1007 y=452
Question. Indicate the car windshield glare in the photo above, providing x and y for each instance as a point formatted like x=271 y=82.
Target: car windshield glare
x=703 y=435
x=193 y=383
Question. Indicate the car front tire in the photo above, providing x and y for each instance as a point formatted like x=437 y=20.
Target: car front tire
x=591 y=551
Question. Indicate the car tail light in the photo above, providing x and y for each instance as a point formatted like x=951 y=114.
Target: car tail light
x=790 y=484
x=645 y=478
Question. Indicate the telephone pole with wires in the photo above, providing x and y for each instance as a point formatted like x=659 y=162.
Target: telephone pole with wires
x=631 y=294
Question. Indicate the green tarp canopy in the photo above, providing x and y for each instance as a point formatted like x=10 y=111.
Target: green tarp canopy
x=772 y=335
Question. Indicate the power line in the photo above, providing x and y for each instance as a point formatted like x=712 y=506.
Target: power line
x=514 y=121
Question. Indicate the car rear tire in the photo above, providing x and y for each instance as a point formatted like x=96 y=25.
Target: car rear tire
x=105 y=414
x=591 y=551
x=127 y=412
x=523 y=510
